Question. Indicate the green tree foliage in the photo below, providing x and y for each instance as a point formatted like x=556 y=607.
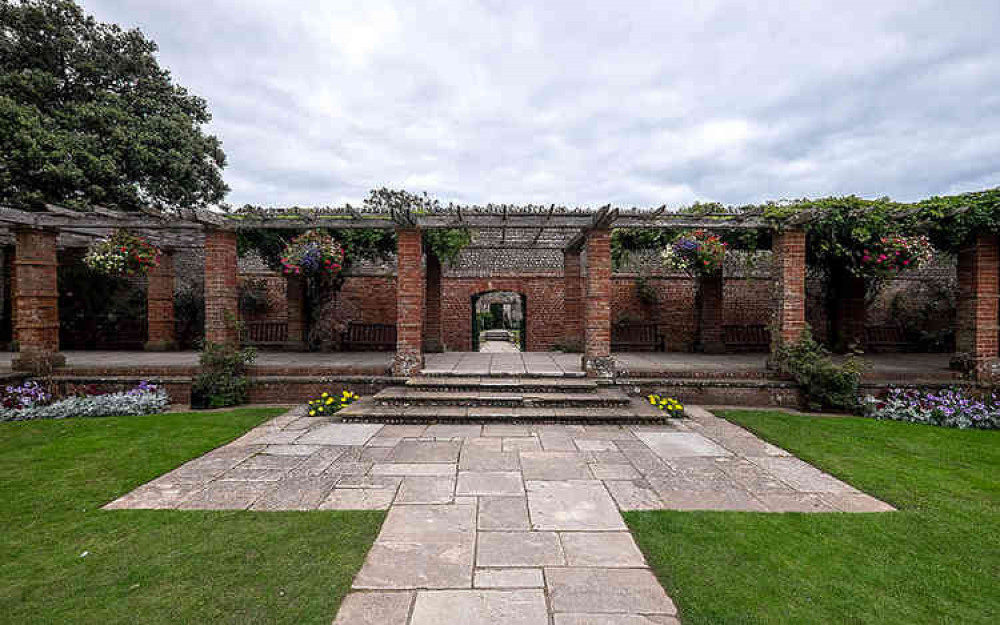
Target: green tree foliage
x=87 y=116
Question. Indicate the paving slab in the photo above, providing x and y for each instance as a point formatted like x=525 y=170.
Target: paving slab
x=521 y=443
x=156 y=496
x=519 y=549
x=572 y=505
x=600 y=591
x=681 y=444
x=503 y=513
x=490 y=483
x=226 y=496
x=856 y=502
x=417 y=489
x=401 y=469
x=802 y=476
x=480 y=607
x=795 y=502
x=453 y=430
x=614 y=472
x=594 y=444
x=634 y=495
x=426 y=451
x=340 y=434
x=554 y=465
x=358 y=499
x=480 y=460
x=508 y=578
x=615 y=619
x=299 y=493
x=375 y=608
x=601 y=549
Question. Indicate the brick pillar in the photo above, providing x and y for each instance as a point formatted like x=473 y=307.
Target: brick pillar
x=789 y=249
x=710 y=302
x=409 y=358
x=573 y=326
x=976 y=336
x=848 y=312
x=221 y=300
x=597 y=358
x=160 y=331
x=36 y=301
x=432 y=302
x=295 y=298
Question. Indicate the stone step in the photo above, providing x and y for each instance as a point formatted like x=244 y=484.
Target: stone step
x=502 y=384
x=485 y=373
x=401 y=396
x=636 y=411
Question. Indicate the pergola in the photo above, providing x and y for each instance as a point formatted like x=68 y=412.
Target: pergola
x=583 y=235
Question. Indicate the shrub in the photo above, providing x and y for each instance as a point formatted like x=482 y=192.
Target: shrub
x=26 y=395
x=327 y=404
x=313 y=253
x=949 y=408
x=825 y=383
x=142 y=400
x=122 y=254
x=222 y=381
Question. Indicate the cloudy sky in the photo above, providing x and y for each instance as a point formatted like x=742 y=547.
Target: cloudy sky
x=574 y=102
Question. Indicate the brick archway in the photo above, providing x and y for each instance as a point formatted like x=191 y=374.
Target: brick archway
x=474 y=329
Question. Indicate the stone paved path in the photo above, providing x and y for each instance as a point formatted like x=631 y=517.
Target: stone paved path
x=501 y=523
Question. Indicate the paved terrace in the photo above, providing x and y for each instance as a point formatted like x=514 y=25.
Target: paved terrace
x=512 y=524
x=901 y=368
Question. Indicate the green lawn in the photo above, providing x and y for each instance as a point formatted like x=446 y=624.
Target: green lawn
x=937 y=560
x=149 y=566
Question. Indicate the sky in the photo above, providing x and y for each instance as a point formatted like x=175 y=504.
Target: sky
x=588 y=103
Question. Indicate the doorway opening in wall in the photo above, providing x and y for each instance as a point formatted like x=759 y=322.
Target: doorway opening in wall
x=499 y=322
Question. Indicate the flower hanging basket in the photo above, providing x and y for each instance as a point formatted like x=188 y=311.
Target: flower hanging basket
x=122 y=254
x=313 y=253
x=699 y=253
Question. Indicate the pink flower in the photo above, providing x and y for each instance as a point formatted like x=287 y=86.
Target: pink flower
x=906 y=262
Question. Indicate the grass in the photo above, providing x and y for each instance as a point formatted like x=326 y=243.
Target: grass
x=936 y=560
x=153 y=566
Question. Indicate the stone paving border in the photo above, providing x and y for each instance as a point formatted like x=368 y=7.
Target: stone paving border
x=501 y=523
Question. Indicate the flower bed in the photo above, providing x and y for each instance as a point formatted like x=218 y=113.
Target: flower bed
x=667 y=404
x=122 y=254
x=144 y=399
x=696 y=252
x=949 y=408
x=327 y=404
x=313 y=253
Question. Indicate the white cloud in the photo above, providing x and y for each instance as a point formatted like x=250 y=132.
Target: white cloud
x=588 y=102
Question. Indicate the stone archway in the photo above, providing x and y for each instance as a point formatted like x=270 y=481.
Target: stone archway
x=500 y=309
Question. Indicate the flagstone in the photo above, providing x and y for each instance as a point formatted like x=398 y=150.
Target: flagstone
x=480 y=607
x=375 y=608
x=554 y=465
x=513 y=549
x=489 y=483
x=503 y=513
x=601 y=549
x=575 y=505
x=597 y=590
x=340 y=434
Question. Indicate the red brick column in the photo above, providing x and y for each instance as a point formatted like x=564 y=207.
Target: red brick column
x=221 y=303
x=597 y=358
x=160 y=334
x=432 y=303
x=710 y=303
x=976 y=337
x=849 y=312
x=36 y=301
x=295 y=296
x=789 y=249
x=573 y=326
x=409 y=358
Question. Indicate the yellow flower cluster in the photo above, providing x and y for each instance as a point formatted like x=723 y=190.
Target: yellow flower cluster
x=667 y=404
x=328 y=404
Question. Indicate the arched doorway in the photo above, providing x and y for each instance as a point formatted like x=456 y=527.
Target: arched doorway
x=500 y=319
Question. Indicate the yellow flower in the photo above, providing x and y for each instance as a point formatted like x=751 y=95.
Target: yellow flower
x=329 y=400
x=320 y=409
x=652 y=399
x=312 y=413
x=325 y=395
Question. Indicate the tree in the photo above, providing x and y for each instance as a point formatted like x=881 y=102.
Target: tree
x=87 y=116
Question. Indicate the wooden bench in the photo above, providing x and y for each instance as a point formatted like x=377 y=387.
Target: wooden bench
x=885 y=338
x=265 y=333
x=636 y=337
x=370 y=337
x=746 y=338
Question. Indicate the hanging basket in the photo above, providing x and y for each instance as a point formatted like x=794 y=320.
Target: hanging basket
x=699 y=253
x=122 y=254
x=313 y=253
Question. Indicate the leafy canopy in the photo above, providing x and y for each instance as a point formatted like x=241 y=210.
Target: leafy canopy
x=87 y=116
